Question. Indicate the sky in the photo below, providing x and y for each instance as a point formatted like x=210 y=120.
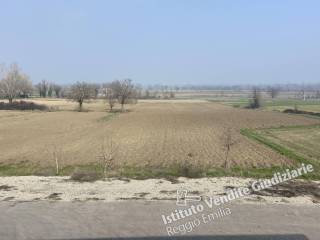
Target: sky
x=171 y=42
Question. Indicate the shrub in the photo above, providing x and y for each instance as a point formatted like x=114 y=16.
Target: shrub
x=23 y=105
x=189 y=170
x=46 y=172
x=82 y=175
x=296 y=111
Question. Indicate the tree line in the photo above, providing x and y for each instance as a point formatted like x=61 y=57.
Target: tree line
x=16 y=84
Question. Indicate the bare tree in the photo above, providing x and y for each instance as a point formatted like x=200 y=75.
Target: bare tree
x=165 y=92
x=138 y=91
x=57 y=90
x=14 y=83
x=43 y=87
x=228 y=142
x=303 y=93
x=147 y=94
x=107 y=155
x=38 y=88
x=110 y=96
x=273 y=92
x=26 y=88
x=63 y=93
x=95 y=87
x=55 y=152
x=123 y=90
x=2 y=76
x=80 y=92
x=256 y=98
x=50 y=90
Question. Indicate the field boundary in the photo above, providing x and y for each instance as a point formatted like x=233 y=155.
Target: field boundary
x=253 y=134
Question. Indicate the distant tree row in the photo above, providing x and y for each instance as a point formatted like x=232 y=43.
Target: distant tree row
x=121 y=91
x=16 y=84
x=47 y=89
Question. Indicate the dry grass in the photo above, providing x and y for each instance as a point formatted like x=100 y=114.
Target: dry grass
x=151 y=134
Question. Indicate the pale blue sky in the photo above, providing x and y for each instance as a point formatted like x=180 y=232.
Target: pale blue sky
x=168 y=42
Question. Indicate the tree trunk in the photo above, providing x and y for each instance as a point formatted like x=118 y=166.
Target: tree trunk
x=80 y=106
x=122 y=104
x=10 y=100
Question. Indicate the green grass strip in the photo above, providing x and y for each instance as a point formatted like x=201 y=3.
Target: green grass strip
x=252 y=134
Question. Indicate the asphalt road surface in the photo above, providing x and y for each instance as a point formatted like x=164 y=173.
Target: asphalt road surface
x=128 y=219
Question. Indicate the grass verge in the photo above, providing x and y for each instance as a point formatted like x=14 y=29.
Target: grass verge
x=170 y=173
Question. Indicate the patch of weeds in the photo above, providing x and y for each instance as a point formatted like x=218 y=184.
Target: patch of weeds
x=236 y=105
x=141 y=195
x=167 y=192
x=46 y=172
x=216 y=172
x=254 y=172
x=6 y=188
x=163 y=198
x=17 y=169
x=256 y=199
x=82 y=175
x=68 y=170
x=23 y=106
x=124 y=179
x=54 y=196
x=291 y=189
x=94 y=199
x=110 y=116
x=296 y=111
x=172 y=179
x=170 y=173
x=187 y=169
x=130 y=198
x=139 y=173
x=8 y=198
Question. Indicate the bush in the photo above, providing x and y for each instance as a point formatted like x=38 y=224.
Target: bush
x=23 y=105
x=189 y=170
x=296 y=111
x=45 y=172
x=82 y=175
